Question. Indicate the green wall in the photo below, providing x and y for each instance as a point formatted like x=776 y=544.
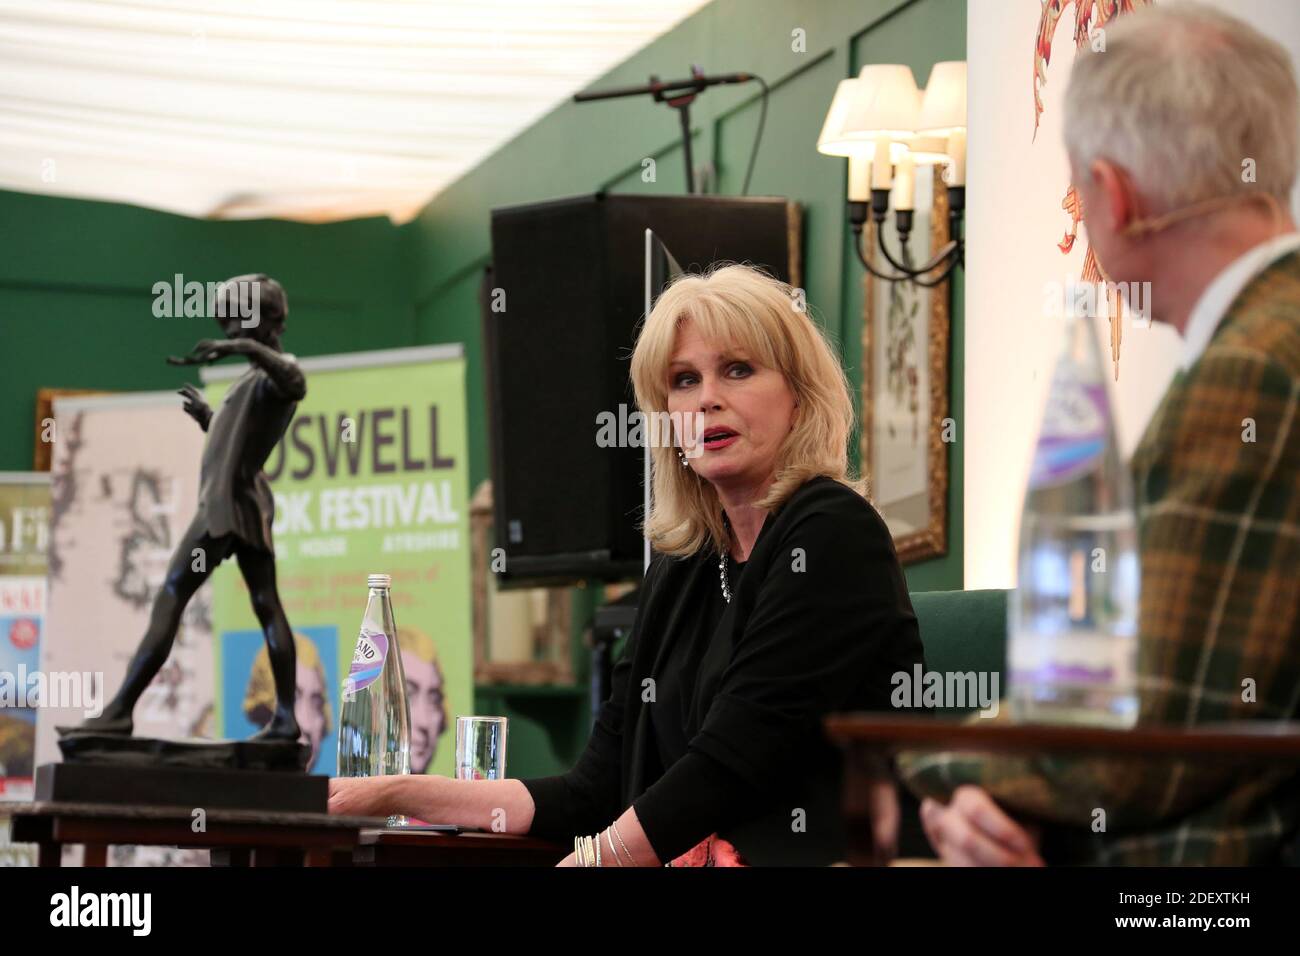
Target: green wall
x=76 y=276
x=76 y=299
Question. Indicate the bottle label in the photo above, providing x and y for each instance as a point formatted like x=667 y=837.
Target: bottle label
x=1073 y=436
x=1061 y=673
x=368 y=661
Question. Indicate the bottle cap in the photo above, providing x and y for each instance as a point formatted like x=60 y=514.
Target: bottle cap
x=379 y=580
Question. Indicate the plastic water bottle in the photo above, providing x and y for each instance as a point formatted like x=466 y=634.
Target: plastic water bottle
x=1072 y=621
x=375 y=723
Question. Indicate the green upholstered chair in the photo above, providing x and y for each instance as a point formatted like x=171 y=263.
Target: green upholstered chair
x=963 y=631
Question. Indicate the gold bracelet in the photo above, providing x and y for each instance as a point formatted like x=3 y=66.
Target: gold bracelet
x=610 y=840
x=630 y=857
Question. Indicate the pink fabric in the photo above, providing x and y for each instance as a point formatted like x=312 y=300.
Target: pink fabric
x=711 y=851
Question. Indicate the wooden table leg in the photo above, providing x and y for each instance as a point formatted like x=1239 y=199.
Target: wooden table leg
x=320 y=856
x=364 y=856
x=229 y=857
x=96 y=855
x=49 y=854
x=277 y=856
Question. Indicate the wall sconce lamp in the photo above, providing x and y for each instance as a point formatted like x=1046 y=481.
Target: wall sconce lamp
x=885 y=126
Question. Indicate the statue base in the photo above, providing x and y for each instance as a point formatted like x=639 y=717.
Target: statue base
x=123 y=750
x=115 y=769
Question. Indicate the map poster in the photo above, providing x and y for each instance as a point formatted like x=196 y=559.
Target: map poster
x=124 y=484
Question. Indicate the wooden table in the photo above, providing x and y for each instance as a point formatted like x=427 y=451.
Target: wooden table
x=256 y=838
x=235 y=837
x=867 y=739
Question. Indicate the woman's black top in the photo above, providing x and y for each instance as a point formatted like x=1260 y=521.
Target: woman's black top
x=713 y=723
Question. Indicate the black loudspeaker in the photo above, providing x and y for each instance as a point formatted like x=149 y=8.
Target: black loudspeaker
x=561 y=306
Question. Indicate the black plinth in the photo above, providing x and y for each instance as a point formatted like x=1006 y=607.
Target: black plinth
x=123 y=750
x=118 y=769
x=190 y=787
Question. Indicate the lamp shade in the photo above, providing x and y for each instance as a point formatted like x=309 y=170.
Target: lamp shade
x=882 y=101
x=927 y=150
x=943 y=107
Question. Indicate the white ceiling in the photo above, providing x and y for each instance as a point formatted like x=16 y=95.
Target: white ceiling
x=300 y=109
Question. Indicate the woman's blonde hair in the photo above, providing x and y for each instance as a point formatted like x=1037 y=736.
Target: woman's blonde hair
x=741 y=307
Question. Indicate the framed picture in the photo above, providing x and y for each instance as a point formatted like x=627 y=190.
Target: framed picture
x=905 y=337
x=44 y=422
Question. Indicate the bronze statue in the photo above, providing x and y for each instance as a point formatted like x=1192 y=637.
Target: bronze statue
x=235 y=507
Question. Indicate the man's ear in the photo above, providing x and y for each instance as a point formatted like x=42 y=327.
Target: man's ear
x=1120 y=202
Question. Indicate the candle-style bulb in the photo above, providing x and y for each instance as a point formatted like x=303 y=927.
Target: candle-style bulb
x=957 y=151
x=859 y=179
x=905 y=185
x=881 y=168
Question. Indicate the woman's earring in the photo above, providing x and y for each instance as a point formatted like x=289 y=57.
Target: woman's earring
x=681 y=456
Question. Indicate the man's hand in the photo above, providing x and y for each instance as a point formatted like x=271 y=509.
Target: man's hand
x=972 y=830
x=210 y=350
x=195 y=406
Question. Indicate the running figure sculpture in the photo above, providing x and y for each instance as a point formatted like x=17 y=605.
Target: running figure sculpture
x=235 y=506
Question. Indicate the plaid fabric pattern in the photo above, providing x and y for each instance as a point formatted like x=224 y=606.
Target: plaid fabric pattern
x=1217 y=477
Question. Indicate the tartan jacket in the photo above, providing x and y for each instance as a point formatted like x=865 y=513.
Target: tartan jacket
x=1219 y=623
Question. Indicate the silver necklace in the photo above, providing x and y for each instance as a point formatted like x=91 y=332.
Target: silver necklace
x=722 y=574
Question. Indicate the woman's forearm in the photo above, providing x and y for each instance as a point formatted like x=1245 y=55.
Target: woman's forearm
x=629 y=846
x=500 y=806
x=634 y=841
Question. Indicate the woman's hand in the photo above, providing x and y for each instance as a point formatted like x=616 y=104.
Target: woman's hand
x=972 y=830
x=364 y=796
x=569 y=860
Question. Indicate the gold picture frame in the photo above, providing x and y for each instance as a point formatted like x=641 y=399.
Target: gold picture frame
x=42 y=449
x=905 y=342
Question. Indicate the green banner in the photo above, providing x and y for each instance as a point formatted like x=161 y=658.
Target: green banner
x=371 y=477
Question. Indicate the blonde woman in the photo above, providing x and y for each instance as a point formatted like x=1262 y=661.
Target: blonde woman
x=774 y=598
